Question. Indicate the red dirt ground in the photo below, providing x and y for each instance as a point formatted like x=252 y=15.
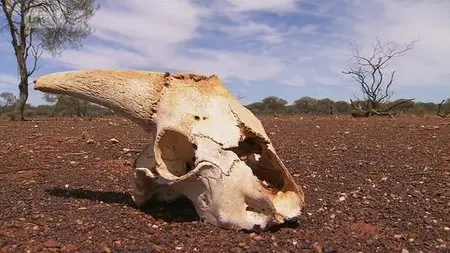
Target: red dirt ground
x=371 y=185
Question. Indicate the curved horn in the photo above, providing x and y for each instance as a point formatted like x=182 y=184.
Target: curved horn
x=133 y=94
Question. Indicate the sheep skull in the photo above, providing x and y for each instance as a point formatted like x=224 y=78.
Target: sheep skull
x=207 y=147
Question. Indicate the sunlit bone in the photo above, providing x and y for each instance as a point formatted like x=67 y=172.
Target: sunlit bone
x=207 y=147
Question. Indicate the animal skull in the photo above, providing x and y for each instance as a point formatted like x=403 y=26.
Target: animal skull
x=207 y=147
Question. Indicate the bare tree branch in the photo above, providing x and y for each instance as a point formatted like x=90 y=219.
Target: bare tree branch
x=442 y=114
x=37 y=25
x=368 y=71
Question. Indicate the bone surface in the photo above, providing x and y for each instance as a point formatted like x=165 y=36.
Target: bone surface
x=203 y=144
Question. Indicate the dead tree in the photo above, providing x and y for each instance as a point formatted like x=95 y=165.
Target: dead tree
x=440 y=113
x=359 y=112
x=375 y=84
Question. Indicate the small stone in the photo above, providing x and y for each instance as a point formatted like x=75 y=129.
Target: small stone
x=154 y=226
x=113 y=141
x=330 y=250
x=446 y=228
x=35 y=227
x=307 y=244
x=51 y=244
x=258 y=238
x=316 y=248
x=253 y=235
x=294 y=242
x=106 y=249
x=405 y=251
x=241 y=244
x=69 y=248
x=236 y=250
x=158 y=248
x=398 y=236
x=341 y=198
x=178 y=248
x=90 y=141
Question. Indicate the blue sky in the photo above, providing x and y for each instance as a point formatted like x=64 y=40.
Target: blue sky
x=285 y=48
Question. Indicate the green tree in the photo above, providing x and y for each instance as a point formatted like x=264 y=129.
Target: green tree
x=306 y=104
x=256 y=107
x=325 y=106
x=38 y=25
x=9 y=100
x=342 y=107
x=274 y=104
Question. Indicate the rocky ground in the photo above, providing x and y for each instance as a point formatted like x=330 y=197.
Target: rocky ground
x=371 y=185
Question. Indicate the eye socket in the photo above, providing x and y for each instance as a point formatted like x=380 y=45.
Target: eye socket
x=251 y=151
x=176 y=152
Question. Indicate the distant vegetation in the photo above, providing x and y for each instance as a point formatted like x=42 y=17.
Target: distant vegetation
x=326 y=106
x=60 y=106
x=66 y=106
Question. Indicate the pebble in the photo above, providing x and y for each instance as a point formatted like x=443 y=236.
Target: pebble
x=90 y=141
x=316 y=248
x=258 y=238
x=446 y=228
x=405 y=251
x=113 y=141
x=307 y=244
x=241 y=244
x=330 y=250
x=237 y=250
x=51 y=244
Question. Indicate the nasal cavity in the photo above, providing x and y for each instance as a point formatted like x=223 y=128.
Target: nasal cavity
x=177 y=153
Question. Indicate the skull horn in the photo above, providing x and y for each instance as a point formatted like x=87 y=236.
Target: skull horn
x=133 y=94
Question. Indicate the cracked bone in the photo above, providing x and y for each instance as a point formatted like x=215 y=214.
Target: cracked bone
x=207 y=147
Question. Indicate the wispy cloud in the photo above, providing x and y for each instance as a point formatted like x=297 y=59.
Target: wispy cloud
x=294 y=45
x=7 y=81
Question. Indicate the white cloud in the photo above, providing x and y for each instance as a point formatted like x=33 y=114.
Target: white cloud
x=404 y=21
x=7 y=81
x=258 y=5
x=298 y=46
x=296 y=80
x=263 y=32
